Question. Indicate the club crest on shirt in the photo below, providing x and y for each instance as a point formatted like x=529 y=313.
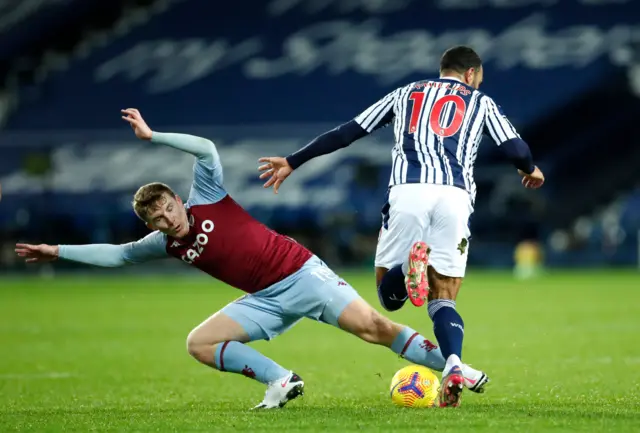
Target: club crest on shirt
x=462 y=246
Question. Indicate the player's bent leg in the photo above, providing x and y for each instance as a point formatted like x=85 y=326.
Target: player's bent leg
x=219 y=343
x=448 y=328
x=205 y=338
x=406 y=223
x=329 y=299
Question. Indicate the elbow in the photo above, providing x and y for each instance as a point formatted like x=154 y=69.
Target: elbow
x=349 y=132
x=208 y=145
x=209 y=151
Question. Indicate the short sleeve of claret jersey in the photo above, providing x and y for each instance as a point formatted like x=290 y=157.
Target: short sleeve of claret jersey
x=207 y=184
x=379 y=114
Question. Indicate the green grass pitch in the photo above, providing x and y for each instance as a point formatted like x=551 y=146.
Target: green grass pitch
x=107 y=353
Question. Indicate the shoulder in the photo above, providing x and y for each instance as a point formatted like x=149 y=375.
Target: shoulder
x=490 y=104
x=154 y=239
x=484 y=98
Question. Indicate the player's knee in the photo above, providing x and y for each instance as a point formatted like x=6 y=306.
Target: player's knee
x=199 y=349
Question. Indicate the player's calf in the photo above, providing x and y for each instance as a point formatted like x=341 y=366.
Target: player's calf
x=448 y=325
x=219 y=343
x=360 y=319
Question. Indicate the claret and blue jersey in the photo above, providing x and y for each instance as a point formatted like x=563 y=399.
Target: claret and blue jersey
x=223 y=240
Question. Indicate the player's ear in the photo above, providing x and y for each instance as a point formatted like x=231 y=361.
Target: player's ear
x=469 y=75
x=178 y=199
x=150 y=226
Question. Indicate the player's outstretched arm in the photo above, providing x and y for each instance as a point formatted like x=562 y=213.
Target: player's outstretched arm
x=277 y=169
x=200 y=147
x=97 y=254
x=105 y=255
x=207 y=171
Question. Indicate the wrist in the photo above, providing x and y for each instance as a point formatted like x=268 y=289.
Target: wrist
x=293 y=162
x=530 y=169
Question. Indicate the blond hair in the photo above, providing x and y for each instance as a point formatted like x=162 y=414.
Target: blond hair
x=147 y=198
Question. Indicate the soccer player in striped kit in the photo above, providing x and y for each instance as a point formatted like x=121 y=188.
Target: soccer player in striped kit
x=423 y=245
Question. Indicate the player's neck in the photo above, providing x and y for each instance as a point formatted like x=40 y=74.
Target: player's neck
x=451 y=77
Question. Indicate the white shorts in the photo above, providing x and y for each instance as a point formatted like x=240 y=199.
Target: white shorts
x=436 y=214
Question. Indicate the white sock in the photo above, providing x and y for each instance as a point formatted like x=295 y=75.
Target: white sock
x=452 y=361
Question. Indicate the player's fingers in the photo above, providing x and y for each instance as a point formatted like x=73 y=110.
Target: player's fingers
x=24 y=246
x=31 y=260
x=266 y=174
x=270 y=182
x=265 y=159
x=277 y=185
x=264 y=167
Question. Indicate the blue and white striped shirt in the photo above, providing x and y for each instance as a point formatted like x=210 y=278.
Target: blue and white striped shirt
x=438 y=126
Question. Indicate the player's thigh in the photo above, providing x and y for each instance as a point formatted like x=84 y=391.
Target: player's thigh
x=217 y=328
x=260 y=316
x=406 y=222
x=316 y=292
x=320 y=294
x=448 y=236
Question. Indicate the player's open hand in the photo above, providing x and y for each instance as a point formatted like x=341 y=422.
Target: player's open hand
x=534 y=180
x=140 y=127
x=277 y=169
x=37 y=253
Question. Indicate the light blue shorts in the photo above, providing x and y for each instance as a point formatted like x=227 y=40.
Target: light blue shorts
x=314 y=291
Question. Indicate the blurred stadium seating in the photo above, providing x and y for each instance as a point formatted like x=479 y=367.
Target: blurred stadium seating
x=266 y=81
